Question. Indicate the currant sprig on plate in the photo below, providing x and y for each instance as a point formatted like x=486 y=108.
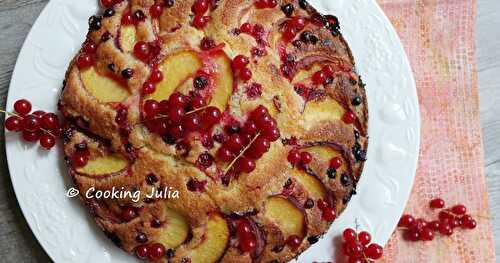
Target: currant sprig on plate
x=39 y=125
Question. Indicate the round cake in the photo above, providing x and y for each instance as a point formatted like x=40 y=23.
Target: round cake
x=214 y=130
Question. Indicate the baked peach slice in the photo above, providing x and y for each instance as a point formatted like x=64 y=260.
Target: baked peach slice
x=176 y=229
x=176 y=69
x=213 y=242
x=317 y=111
x=223 y=82
x=286 y=215
x=104 y=165
x=103 y=88
x=311 y=184
x=325 y=154
x=127 y=38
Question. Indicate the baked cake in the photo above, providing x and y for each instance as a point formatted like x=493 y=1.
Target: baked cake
x=246 y=116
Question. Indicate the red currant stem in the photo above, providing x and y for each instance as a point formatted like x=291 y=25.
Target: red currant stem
x=48 y=132
x=10 y=113
x=196 y=110
x=241 y=153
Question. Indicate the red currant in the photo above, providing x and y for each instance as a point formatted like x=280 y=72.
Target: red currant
x=406 y=221
x=322 y=204
x=305 y=158
x=298 y=23
x=246 y=28
x=349 y=235
x=247 y=244
x=319 y=78
x=328 y=70
x=243 y=228
x=335 y=162
x=240 y=62
x=212 y=116
x=436 y=203
x=470 y=224
x=200 y=7
x=245 y=74
x=260 y=4
x=289 y=33
x=156 y=75
x=79 y=159
x=200 y=22
x=128 y=213
x=89 y=47
x=374 y=251
x=50 y=121
x=412 y=235
x=191 y=122
x=31 y=136
x=459 y=209
x=47 y=141
x=235 y=143
x=426 y=234
x=434 y=225
x=13 y=123
x=225 y=154
x=245 y=165
x=197 y=102
x=156 y=10
x=294 y=157
x=127 y=19
x=178 y=100
x=271 y=134
x=445 y=229
x=107 y=3
x=156 y=251
x=328 y=214
x=151 y=108
x=249 y=128
x=258 y=148
x=31 y=123
x=349 y=117
x=444 y=215
x=364 y=238
x=142 y=50
x=141 y=251
x=175 y=114
x=293 y=241
x=85 y=60
x=22 y=107
x=148 y=88
x=177 y=131
x=354 y=249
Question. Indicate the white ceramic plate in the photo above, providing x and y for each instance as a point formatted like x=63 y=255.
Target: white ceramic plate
x=66 y=231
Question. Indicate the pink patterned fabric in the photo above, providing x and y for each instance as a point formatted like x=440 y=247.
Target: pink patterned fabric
x=439 y=38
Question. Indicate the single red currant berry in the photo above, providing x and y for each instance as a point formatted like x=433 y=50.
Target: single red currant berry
x=305 y=158
x=148 y=88
x=271 y=134
x=412 y=235
x=85 y=60
x=191 y=122
x=294 y=157
x=79 y=159
x=235 y=143
x=328 y=214
x=22 y=107
x=156 y=10
x=470 y=224
x=455 y=222
x=374 y=251
x=31 y=123
x=364 y=238
x=175 y=114
x=459 y=209
x=177 y=131
x=89 y=47
x=271 y=3
x=349 y=235
x=156 y=75
x=260 y=4
x=246 y=28
x=328 y=70
x=107 y=3
x=245 y=165
x=349 y=117
x=436 y=203
x=245 y=74
x=178 y=100
x=141 y=251
x=354 y=249
x=406 y=221
x=50 y=121
x=47 y=141
x=434 y=225
x=128 y=213
x=200 y=7
x=151 y=108
x=445 y=229
x=289 y=33
x=212 y=116
x=444 y=215
x=298 y=23
x=13 y=123
x=31 y=136
x=240 y=62
x=142 y=50
x=318 y=78
x=200 y=22
x=426 y=234
x=293 y=241
x=336 y=162
x=156 y=251
x=39 y=114
x=249 y=128
x=322 y=204
x=248 y=244
x=127 y=19
x=420 y=223
x=258 y=148
x=243 y=228
x=225 y=154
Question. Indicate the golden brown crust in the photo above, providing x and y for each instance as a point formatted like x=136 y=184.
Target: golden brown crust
x=284 y=73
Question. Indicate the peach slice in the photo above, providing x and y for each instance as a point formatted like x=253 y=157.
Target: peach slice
x=326 y=154
x=214 y=241
x=288 y=217
x=176 y=69
x=103 y=88
x=176 y=230
x=104 y=165
x=223 y=82
x=324 y=110
x=127 y=38
x=313 y=186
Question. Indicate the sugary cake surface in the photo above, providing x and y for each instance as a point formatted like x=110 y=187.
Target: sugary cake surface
x=246 y=116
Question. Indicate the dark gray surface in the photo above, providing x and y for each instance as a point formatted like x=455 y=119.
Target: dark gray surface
x=17 y=243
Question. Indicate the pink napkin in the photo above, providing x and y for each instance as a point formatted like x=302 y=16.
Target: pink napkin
x=439 y=38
